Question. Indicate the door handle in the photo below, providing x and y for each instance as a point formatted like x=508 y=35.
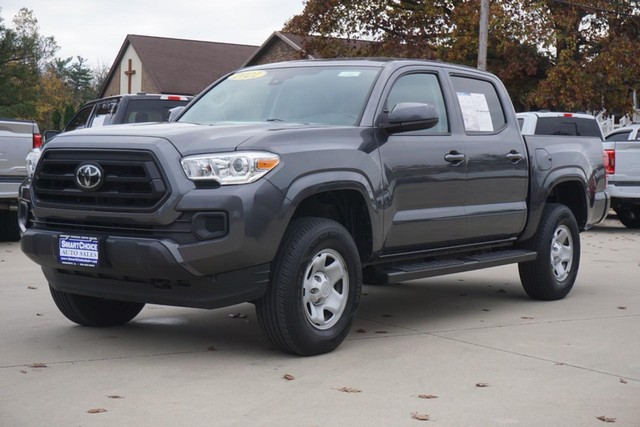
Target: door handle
x=454 y=157
x=514 y=157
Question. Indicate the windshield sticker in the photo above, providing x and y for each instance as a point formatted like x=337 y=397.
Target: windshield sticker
x=248 y=75
x=475 y=111
x=349 y=74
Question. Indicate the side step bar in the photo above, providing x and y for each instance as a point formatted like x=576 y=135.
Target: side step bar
x=419 y=270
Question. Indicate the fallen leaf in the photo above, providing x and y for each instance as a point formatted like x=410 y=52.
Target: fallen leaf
x=31 y=287
x=482 y=385
x=39 y=314
x=38 y=365
x=96 y=411
x=486 y=309
x=606 y=419
x=623 y=381
x=381 y=332
x=288 y=377
x=527 y=317
x=559 y=363
x=418 y=416
x=115 y=396
x=349 y=390
x=427 y=396
x=361 y=331
x=212 y=348
x=622 y=307
x=22 y=371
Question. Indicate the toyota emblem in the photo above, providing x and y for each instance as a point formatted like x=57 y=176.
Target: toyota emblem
x=88 y=177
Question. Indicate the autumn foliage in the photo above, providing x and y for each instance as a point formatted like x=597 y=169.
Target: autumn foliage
x=553 y=54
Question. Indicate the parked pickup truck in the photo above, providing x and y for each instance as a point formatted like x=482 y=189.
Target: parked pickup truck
x=288 y=185
x=622 y=147
x=17 y=137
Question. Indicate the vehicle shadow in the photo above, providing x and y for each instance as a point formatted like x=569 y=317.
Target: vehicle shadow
x=437 y=304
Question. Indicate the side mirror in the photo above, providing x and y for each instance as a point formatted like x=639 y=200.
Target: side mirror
x=409 y=116
x=50 y=134
x=175 y=112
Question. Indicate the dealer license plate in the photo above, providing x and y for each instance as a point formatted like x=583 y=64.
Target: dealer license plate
x=78 y=250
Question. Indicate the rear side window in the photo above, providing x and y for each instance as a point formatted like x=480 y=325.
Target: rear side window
x=149 y=110
x=480 y=105
x=103 y=113
x=570 y=126
x=618 y=136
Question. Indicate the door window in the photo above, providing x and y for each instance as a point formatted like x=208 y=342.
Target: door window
x=79 y=121
x=480 y=105
x=421 y=88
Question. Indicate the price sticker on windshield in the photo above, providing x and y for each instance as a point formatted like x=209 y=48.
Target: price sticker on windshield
x=248 y=75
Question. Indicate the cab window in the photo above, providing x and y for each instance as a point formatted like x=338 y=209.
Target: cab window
x=480 y=105
x=79 y=121
x=422 y=88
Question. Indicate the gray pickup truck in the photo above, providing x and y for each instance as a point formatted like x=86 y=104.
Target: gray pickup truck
x=17 y=138
x=288 y=185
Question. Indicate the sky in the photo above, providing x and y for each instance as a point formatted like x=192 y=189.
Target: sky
x=96 y=29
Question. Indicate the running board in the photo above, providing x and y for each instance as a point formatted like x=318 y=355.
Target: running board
x=419 y=270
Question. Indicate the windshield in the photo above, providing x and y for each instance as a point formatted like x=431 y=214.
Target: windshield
x=326 y=95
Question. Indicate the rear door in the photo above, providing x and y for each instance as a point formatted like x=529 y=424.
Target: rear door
x=496 y=157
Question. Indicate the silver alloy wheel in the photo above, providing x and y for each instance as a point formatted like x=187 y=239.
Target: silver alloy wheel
x=561 y=252
x=325 y=289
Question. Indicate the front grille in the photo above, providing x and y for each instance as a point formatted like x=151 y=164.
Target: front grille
x=132 y=181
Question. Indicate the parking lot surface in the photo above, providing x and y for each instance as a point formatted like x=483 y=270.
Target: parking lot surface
x=463 y=350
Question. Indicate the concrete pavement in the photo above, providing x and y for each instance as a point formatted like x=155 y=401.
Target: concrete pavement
x=561 y=363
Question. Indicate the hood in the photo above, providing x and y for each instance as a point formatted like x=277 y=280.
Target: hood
x=191 y=138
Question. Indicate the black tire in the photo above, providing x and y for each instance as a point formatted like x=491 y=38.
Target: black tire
x=551 y=277
x=314 y=290
x=9 y=228
x=97 y=312
x=629 y=215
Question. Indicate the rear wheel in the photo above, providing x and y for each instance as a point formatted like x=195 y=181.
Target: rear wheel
x=91 y=311
x=314 y=290
x=552 y=274
x=629 y=215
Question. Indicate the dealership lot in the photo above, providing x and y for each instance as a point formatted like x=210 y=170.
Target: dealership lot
x=485 y=354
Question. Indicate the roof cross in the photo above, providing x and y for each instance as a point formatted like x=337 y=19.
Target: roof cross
x=129 y=73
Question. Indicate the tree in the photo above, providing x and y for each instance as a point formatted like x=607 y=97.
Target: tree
x=560 y=54
x=23 y=52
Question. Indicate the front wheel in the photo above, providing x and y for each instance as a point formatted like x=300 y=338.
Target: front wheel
x=552 y=274
x=314 y=289
x=92 y=311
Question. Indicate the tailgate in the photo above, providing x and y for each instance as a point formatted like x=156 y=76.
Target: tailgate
x=627 y=161
x=16 y=140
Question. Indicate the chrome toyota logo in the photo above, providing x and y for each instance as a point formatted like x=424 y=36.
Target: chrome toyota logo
x=88 y=177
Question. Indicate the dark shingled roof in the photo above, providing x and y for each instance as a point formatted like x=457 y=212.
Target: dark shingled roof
x=180 y=66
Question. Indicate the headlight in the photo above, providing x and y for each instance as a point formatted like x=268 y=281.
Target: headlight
x=32 y=161
x=241 y=167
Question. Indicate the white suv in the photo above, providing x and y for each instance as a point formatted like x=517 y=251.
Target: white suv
x=622 y=147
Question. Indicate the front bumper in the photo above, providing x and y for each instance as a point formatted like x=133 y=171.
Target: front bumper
x=164 y=266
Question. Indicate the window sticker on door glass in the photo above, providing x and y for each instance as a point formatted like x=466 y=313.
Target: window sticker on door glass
x=475 y=111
